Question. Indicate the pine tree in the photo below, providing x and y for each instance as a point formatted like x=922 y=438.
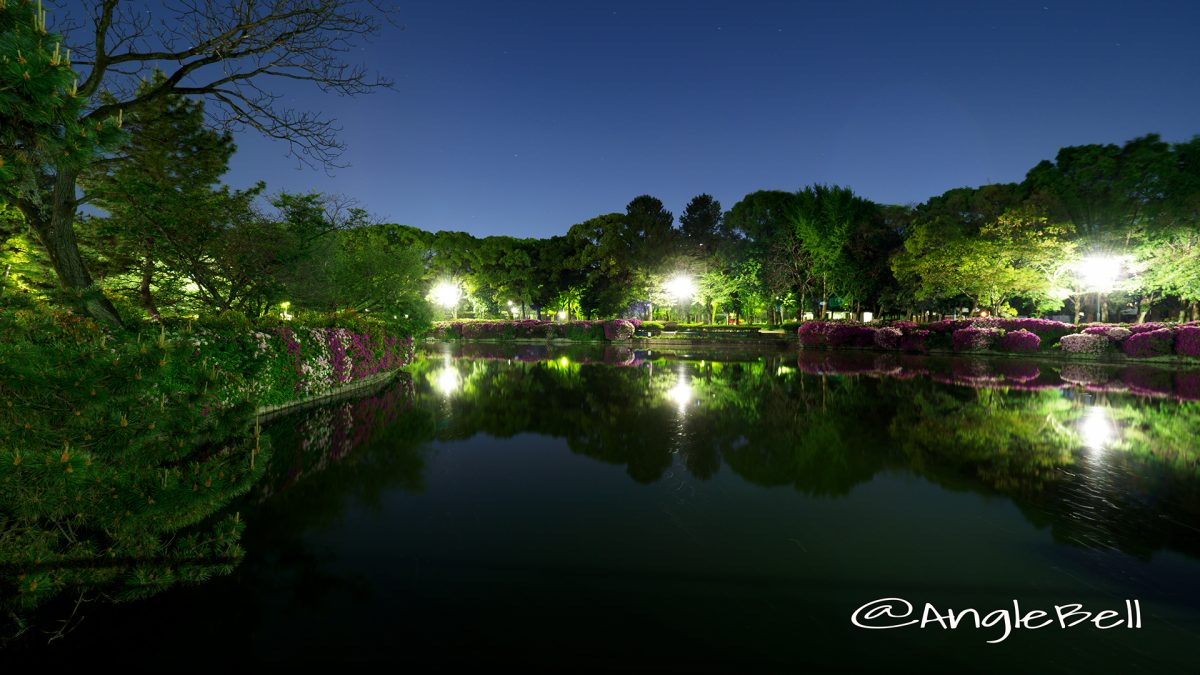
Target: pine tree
x=41 y=124
x=161 y=195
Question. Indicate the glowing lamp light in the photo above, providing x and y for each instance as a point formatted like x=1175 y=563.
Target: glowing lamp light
x=446 y=294
x=562 y=315
x=680 y=288
x=1096 y=429
x=1100 y=272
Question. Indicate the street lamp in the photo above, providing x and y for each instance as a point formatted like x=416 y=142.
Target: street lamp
x=680 y=289
x=1099 y=273
x=447 y=295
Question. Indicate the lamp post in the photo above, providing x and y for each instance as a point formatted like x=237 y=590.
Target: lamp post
x=1099 y=273
x=679 y=288
x=447 y=295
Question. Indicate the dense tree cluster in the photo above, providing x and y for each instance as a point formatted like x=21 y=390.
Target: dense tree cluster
x=1016 y=248
x=145 y=150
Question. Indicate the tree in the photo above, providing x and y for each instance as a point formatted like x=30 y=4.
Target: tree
x=155 y=192
x=1017 y=255
x=648 y=236
x=223 y=50
x=375 y=271
x=46 y=139
x=825 y=220
x=700 y=225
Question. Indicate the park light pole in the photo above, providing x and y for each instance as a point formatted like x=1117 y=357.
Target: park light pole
x=680 y=288
x=1099 y=273
x=447 y=294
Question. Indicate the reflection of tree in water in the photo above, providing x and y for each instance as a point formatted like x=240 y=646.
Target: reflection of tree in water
x=330 y=458
x=1012 y=442
x=825 y=433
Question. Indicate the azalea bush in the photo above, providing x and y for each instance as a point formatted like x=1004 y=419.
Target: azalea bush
x=1145 y=344
x=888 y=337
x=1115 y=333
x=972 y=338
x=1020 y=341
x=1146 y=327
x=1085 y=343
x=916 y=340
x=618 y=329
x=1187 y=340
x=1048 y=331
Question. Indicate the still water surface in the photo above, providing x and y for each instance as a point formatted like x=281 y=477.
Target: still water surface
x=587 y=509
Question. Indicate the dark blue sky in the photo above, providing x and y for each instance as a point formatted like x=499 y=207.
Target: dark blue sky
x=524 y=118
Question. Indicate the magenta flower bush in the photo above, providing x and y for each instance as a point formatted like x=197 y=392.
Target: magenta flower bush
x=1145 y=327
x=1049 y=331
x=1116 y=334
x=1149 y=343
x=915 y=340
x=1020 y=341
x=1187 y=340
x=852 y=335
x=903 y=326
x=888 y=338
x=1084 y=343
x=836 y=334
x=973 y=339
x=618 y=329
x=815 y=333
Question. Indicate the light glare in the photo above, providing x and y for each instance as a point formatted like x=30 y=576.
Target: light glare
x=446 y=294
x=680 y=288
x=1100 y=272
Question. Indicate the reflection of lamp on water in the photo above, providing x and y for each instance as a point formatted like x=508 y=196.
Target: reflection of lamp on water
x=1096 y=429
x=447 y=381
x=681 y=393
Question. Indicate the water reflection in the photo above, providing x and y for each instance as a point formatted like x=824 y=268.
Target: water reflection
x=831 y=422
x=681 y=393
x=1096 y=428
x=447 y=380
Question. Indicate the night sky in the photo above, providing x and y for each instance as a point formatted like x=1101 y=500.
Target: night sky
x=524 y=118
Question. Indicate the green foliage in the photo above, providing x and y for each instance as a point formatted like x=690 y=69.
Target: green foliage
x=40 y=109
x=118 y=454
x=114 y=460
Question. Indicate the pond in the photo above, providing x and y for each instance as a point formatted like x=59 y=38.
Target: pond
x=600 y=509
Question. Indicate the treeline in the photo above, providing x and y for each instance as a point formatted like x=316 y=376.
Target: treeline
x=1014 y=248
x=110 y=191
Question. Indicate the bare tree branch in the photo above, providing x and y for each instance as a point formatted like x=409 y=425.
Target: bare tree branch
x=226 y=51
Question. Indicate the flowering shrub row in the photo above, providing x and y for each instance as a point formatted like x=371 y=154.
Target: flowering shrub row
x=1020 y=336
x=319 y=360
